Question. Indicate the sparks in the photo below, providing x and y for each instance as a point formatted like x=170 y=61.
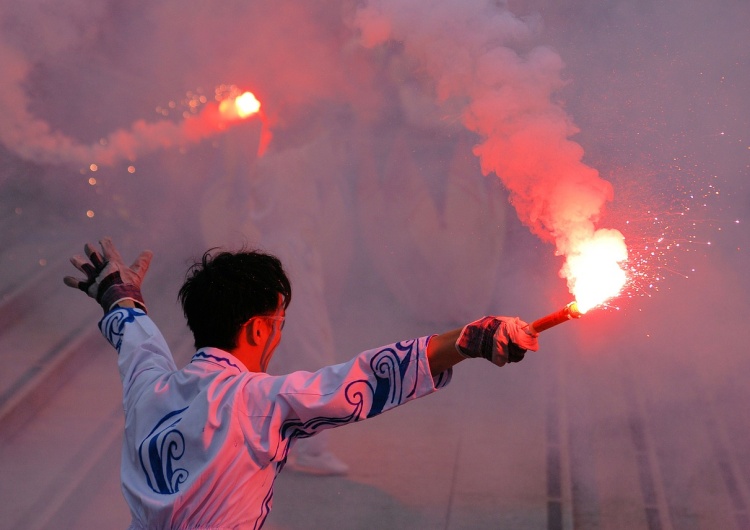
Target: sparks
x=670 y=229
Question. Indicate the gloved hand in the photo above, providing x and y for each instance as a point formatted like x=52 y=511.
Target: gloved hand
x=500 y=340
x=108 y=279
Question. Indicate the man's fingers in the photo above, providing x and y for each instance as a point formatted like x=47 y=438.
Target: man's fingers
x=89 y=270
x=518 y=334
x=110 y=252
x=71 y=282
x=142 y=263
x=515 y=353
x=525 y=341
x=75 y=283
x=94 y=256
x=83 y=265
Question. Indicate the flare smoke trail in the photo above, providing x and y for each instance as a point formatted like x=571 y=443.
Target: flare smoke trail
x=484 y=64
x=33 y=139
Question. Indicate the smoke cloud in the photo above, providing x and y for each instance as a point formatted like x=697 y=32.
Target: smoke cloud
x=487 y=68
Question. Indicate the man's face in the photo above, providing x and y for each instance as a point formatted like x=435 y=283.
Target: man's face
x=275 y=324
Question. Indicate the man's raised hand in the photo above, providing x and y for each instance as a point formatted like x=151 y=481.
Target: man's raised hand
x=108 y=280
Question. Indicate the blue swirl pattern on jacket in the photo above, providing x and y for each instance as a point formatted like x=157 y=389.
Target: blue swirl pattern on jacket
x=158 y=452
x=390 y=366
x=112 y=325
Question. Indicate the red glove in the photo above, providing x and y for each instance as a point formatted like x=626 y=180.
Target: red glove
x=108 y=279
x=500 y=340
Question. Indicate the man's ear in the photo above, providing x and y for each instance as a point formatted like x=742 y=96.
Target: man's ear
x=254 y=331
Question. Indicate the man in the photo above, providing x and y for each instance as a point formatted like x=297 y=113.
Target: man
x=203 y=444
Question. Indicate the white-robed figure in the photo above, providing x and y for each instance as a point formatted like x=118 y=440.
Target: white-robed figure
x=203 y=444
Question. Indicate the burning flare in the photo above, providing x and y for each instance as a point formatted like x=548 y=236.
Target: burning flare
x=568 y=312
x=594 y=273
x=593 y=268
x=240 y=107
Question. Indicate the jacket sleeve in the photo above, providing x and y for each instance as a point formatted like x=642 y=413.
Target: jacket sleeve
x=301 y=404
x=143 y=354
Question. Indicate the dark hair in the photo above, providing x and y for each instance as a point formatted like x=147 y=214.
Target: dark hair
x=223 y=291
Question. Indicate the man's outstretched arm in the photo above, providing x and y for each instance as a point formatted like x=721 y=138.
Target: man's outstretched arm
x=442 y=353
x=141 y=347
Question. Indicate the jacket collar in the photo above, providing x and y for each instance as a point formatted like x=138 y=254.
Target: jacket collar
x=223 y=360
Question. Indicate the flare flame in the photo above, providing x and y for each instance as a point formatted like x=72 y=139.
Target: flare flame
x=594 y=270
x=240 y=107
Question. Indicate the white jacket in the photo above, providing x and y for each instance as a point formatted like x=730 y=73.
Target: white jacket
x=203 y=444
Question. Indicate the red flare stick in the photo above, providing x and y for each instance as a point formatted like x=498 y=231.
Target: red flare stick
x=568 y=312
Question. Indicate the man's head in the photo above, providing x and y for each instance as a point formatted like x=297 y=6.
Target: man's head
x=223 y=291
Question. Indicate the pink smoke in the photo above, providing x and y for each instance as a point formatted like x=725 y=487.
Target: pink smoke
x=482 y=59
